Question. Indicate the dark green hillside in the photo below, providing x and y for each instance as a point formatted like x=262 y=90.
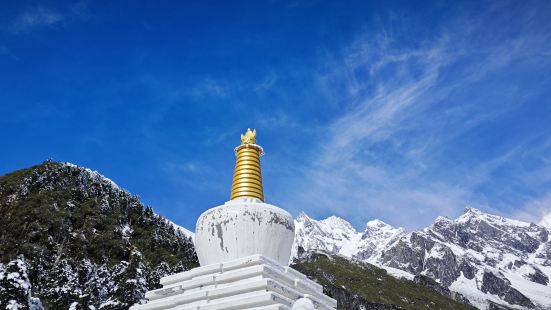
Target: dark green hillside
x=75 y=229
x=358 y=285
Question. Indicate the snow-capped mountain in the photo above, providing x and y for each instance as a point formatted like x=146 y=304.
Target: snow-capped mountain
x=70 y=238
x=487 y=258
x=336 y=236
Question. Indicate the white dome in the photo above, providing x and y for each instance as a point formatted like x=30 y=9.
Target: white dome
x=244 y=227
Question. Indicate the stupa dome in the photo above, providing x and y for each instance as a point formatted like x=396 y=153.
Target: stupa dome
x=245 y=225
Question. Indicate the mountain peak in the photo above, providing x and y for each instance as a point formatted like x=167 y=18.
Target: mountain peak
x=442 y=219
x=303 y=217
x=471 y=210
x=471 y=214
x=91 y=173
x=335 y=221
x=377 y=224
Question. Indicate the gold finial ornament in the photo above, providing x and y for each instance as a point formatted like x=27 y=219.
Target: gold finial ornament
x=247 y=176
x=249 y=137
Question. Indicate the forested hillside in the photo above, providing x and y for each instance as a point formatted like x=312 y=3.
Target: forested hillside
x=72 y=239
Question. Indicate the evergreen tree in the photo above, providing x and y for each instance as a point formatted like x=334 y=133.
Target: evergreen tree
x=87 y=278
x=15 y=288
x=104 y=283
x=155 y=275
x=133 y=285
x=130 y=284
x=113 y=293
x=64 y=288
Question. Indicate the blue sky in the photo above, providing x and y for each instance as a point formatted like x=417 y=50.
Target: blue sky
x=397 y=110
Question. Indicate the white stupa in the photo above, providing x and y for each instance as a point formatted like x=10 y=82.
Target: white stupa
x=244 y=247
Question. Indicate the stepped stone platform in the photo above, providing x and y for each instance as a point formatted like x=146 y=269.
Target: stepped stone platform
x=253 y=282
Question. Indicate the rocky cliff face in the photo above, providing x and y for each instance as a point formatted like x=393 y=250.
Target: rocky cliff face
x=489 y=259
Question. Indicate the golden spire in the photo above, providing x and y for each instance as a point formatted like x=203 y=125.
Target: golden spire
x=247 y=178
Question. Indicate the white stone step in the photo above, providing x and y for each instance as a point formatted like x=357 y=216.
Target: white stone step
x=204 y=296
x=206 y=281
x=218 y=268
x=238 y=278
x=207 y=302
x=242 y=302
x=250 y=261
x=190 y=274
x=169 y=302
x=209 y=281
x=245 y=278
x=238 y=291
x=164 y=292
x=271 y=307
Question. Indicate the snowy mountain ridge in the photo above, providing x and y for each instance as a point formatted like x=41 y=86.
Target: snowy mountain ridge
x=487 y=258
x=336 y=236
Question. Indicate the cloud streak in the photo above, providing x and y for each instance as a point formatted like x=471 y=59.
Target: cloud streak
x=36 y=17
x=39 y=16
x=388 y=154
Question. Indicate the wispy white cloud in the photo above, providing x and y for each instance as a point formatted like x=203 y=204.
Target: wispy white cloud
x=40 y=16
x=382 y=156
x=37 y=17
x=342 y=178
x=210 y=87
x=268 y=82
x=537 y=211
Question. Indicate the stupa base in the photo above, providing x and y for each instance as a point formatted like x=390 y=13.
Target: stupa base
x=253 y=282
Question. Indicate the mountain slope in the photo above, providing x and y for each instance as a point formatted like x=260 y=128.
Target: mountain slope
x=487 y=258
x=72 y=239
x=358 y=285
x=83 y=242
